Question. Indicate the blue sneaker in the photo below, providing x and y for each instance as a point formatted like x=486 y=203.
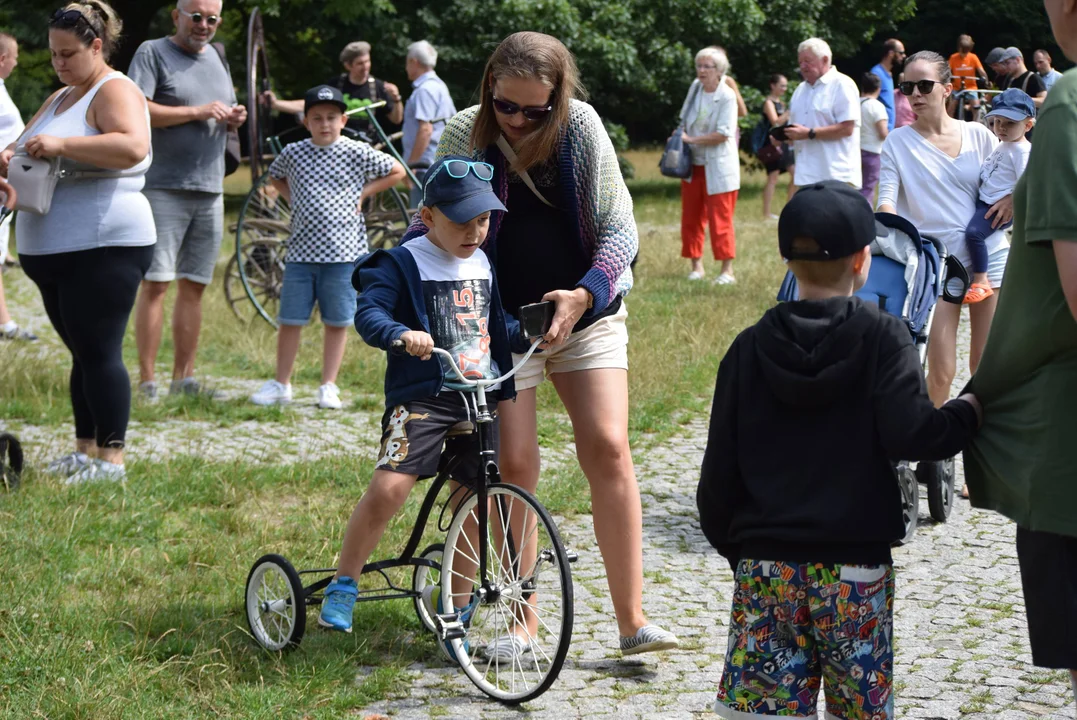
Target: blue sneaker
x=338 y=604
x=432 y=603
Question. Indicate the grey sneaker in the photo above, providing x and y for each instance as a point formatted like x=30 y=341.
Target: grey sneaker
x=190 y=386
x=17 y=333
x=649 y=638
x=68 y=465
x=148 y=390
x=97 y=471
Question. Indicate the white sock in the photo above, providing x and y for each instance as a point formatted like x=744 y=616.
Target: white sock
x=9 y=327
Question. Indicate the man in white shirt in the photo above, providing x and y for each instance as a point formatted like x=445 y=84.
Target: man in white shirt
x=10 y=121
x=1042 y=60
x=825 y=120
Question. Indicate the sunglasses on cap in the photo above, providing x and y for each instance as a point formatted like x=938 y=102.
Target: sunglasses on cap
x=459 y=169
x=198 y=17
x=67 y=19
x=924 y=86
x=531 y=112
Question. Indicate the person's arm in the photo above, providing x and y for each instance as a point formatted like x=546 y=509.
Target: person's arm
x=423 y=134
x=118 y=113
x=281 y=185
x=378 y=185
x=837 y=131
x=771 y=113
x=721 y=486
x=889 y=178
x=379 y=284
x=909 y=426
x=294 y=107
x=742 y=109
x=9 y=195
x=395 y=113
x=163 y=116
x=1066 y=259
x=883 y=127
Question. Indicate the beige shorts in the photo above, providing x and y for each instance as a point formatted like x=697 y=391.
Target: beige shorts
x=602 y=345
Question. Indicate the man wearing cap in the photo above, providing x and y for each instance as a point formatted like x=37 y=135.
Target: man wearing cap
x=434 y=291
x=426 y=112
x=825 y=120
x=325 y=178
x=192 y=106
x=835 y=385
x=1009 y=63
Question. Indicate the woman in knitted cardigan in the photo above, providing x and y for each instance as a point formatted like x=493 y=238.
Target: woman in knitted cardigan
x=569 y=236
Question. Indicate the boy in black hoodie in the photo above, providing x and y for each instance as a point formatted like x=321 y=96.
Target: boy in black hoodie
x=813 y=406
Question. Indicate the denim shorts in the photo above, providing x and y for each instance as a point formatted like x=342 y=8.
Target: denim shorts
x=330 y=284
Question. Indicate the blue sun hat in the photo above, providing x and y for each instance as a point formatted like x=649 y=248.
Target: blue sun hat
x=1013 y=104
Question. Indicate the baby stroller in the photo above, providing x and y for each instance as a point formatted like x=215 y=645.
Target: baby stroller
x=909 y=272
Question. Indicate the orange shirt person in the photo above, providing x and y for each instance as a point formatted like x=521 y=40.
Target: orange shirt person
x=965 y=66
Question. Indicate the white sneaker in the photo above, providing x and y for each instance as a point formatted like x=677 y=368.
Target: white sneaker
x=69 y=464
x=272 y=393
x=97 y=471
x=328 y=397
x=695 y=275
x=724 y=279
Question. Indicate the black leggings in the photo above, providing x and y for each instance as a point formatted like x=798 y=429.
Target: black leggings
x=89 y=295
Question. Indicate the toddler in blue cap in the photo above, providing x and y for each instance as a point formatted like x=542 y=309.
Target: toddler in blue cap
x=1011 y=117
x=438 y=290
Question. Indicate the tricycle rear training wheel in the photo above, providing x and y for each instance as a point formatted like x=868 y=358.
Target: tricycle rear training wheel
x=276 y=604
x=939 y=478
x=910 y=501
x=423 y=576
x=529 y=595
x=10 y=461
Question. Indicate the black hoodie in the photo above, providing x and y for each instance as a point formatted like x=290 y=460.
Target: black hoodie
x=813 y=406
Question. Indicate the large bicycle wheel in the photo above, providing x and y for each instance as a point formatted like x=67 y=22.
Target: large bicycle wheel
x=255 y=274
x=387 y=216
x=519 y=623
x=258 y=114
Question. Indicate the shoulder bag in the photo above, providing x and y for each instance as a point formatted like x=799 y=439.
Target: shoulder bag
x=233 y=153
x=676 y=159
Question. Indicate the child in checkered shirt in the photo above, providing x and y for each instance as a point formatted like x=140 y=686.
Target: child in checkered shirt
x=325 y=178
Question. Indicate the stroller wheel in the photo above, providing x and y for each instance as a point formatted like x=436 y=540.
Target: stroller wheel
x=910 y=501
x=10 y=461
x=939 y=478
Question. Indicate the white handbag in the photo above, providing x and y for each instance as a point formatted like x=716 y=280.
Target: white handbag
x=34 y=180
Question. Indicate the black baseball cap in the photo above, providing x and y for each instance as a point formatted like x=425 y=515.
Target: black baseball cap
x=834 y=215
x=455 y=185
x=324 y=94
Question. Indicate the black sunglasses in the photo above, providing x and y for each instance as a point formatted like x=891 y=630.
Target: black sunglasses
x=532 y=112
x=67 y=19
x=924 y=86
x=197 y=18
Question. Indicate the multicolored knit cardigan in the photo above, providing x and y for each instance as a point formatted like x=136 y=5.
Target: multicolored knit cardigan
x=591 y=183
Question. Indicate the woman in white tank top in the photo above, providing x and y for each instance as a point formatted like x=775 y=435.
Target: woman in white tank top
x=88 y=254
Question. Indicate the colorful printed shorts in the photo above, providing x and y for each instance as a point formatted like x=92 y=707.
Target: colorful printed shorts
x=797 y=627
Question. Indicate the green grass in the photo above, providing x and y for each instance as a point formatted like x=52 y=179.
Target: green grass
x=126 y=602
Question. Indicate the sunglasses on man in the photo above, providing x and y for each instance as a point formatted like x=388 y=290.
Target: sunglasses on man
x=198 y=17
x=531 y=112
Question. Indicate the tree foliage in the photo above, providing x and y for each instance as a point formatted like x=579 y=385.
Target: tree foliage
x=635 y=56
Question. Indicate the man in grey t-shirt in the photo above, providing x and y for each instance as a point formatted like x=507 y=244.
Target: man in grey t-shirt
x=192 y=106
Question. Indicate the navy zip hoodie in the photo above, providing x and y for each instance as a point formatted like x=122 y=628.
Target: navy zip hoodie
x=814 y=405
x=391 y=303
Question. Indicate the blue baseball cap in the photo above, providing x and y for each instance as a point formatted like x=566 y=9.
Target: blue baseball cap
x=460 y=187
x=1013 y=104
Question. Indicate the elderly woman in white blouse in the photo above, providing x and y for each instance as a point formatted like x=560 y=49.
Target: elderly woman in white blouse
x=709 y=196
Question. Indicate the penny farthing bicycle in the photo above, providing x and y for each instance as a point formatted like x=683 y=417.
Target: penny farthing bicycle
x=254 y=274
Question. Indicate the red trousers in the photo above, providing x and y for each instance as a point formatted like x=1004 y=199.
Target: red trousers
x=699 y=209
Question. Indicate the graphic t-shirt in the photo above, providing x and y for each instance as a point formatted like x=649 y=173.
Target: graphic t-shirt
x=361 y=95
x=1002 y=169
x=325 y=183
x=963 y=68
x=457 y=292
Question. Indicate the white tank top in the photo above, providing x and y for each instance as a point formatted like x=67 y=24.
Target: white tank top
x=87 y=213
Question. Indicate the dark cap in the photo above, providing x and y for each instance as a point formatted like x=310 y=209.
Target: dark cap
x=457 y=190
x=324 y=94
x=834 y=215
x=1013 y=104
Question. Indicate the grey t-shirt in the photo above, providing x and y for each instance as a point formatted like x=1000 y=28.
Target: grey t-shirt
x=188 y=156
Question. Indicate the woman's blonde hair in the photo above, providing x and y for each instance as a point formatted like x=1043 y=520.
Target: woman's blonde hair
x=101 y=22
x=717 y=56
x=531 y=56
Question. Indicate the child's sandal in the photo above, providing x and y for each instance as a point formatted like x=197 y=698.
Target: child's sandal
x=977 y=293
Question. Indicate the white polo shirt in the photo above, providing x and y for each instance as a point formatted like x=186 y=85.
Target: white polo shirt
x=833 y=99
x=10 y=121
